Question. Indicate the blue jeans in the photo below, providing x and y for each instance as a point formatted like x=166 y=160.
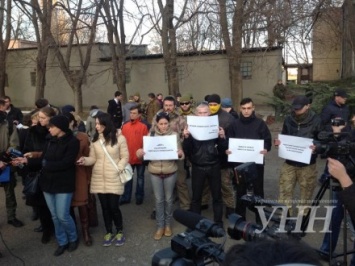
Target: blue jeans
x=163 y=189
x=139 y=186
x=59 y=206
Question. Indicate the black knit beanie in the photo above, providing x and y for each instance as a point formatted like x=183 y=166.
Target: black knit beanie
x=61 y=122
x=214 y=98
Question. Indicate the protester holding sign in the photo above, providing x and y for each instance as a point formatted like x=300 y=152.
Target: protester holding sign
x=205 y=160
x=302 y=122
x=163 y=174
x=248 y=126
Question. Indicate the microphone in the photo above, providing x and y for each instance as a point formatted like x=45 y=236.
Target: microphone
x=195 y=221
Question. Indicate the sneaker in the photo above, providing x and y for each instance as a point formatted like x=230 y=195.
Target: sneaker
x=108 y=238
x=119 y=239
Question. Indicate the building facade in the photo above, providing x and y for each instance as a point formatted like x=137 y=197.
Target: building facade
x=199 y=74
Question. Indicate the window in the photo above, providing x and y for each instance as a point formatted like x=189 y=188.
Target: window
x=128 y=76
x=246 y=70
x=180 y=74
x=33 y=77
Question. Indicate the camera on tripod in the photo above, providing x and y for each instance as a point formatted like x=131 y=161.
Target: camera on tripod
x=194 y=247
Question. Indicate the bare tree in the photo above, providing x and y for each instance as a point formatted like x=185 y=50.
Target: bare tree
x=40 y=15
x=5 y=26
x=81 y=33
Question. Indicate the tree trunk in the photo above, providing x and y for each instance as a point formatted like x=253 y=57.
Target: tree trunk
x=2 y=73
x=234 y=47
x=168 y=36
x=78 y=97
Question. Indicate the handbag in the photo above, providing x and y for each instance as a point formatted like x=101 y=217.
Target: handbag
x=125 y=175
x=31 y=183
x=5 y=175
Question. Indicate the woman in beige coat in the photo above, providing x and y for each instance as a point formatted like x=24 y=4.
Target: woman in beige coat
x=104 y=179
x=163 y=176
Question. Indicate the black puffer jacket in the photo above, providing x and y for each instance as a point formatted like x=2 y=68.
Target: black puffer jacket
x=203 y=153
x=58 y=161
x=309 y=127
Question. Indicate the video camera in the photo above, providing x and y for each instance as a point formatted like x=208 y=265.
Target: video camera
x=9 y=155
x=335 y=145
x=194 y=247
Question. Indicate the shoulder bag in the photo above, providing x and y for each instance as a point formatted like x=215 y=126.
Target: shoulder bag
x=31 y=185
x=125 y=175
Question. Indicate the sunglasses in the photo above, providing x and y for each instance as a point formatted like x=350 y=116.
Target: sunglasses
x=185 y=103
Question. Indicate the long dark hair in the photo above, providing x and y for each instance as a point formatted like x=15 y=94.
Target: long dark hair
x=109 y=131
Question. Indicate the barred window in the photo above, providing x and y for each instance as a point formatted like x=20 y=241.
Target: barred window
x=33 y=77
x=246 y=70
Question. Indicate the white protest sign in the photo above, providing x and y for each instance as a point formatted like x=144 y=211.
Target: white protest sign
x=295 y=148
x=246 y=150
x=203 y=127
x=160 y=148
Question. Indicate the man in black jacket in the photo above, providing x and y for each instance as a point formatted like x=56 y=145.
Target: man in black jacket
x=336 y=108
x=115 y=109
x=205 y=161
x=248 y=126
x=14 y=115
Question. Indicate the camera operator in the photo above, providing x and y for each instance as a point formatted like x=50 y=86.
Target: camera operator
x=335 y=116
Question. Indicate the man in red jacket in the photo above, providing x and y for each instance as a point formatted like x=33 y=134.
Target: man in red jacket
x=134 y=130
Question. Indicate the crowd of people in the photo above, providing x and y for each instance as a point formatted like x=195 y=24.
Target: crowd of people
x=73 y=161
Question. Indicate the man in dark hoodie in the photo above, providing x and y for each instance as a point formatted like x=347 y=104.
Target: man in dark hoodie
x=248 y=126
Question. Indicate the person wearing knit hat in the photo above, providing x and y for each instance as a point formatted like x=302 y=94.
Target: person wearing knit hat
x=225 y=121
x=57 y=180
x=68 y=108
x=61 y=122
x=227 y=105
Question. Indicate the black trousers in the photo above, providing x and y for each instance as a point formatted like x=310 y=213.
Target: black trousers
x=111 y=211
x=213 y=175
